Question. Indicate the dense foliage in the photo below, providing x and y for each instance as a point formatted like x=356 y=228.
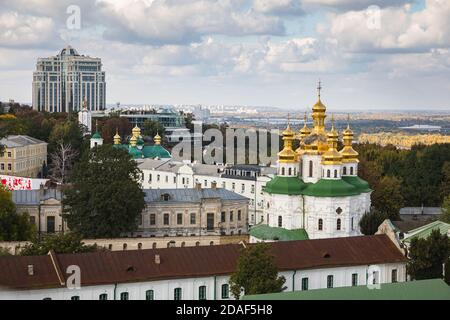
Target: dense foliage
x=370 y=222
x=105 y=199
x=60 y=243
x=428 y=255
x=13 y=226
x=420 y=175
x=256 y=272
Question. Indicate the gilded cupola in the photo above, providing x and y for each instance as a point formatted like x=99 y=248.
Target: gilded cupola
x=332 y=156
x=157 y=139
x=348 y=153
x=287 y=155
x=116 y=138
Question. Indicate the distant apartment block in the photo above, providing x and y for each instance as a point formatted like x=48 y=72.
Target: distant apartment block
x=63 y=82
x=22 y=156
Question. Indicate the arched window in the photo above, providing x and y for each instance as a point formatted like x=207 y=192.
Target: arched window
x=124 y=246
x=183 y=244
x=353 y=228
x=282 y=171
x=328 y=173
x=75 y=298
x=139 y=245
x=197 y=243
x=211 y=243
x=110 y=246
x=149 y=295
x=103 y=296
x=320 y=225
x=335 y=173
x=344 y=170
x=310 y=168
x=280 y=221
x=154 y=245
x=290 y=171
x=338 y=224
x=124 y=296
x=351 y=170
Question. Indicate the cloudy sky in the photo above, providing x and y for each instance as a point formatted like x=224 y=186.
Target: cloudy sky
x=384 y=54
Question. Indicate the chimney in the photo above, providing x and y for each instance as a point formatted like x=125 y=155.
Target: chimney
x=214 y=185
x=157 y=259
x=198 y=186
x=30 y=269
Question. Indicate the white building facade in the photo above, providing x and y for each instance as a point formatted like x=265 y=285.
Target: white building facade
x=153 y=274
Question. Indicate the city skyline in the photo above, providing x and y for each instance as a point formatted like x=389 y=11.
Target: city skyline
x=256 y=53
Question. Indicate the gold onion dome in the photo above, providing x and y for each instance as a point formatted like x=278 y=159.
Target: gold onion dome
x=305 y=130
x=348 y=153
x=117 y=138
x=136 y=131
x=319 y=106
x=133 y=141
x=287 y=154
x=157 y=139
x=332 y=156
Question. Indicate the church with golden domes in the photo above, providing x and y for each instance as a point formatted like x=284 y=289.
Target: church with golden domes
x=316 y=192
x=136 y=146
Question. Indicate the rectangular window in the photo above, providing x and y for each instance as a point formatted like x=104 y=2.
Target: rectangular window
x=231 y=215
x=124 y=296
x=150 y=178
x=210 y=221
x=233 y=186
x=9 y=167
x=239 y=215
x=179 y=218
x=51 y=224
x=158 y=177
x=152 y=219
x=193 y=218
x=103 y=296
x=225 y=291
x=305 y=284
x=354 y=279
x=222 y=216
x=394 y=276
x=252 y=189
x=166 y=219
x=2 y=166
x=174 y=180
x=167 y=179
x=9 y=154
x=206 y=183
x=149 y=295
x=177 y=294
x=329 y=281
x=202 y=293
x=243 y=188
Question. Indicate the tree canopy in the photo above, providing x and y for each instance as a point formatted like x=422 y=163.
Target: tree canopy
x=60 y=243
x=428 y=255
x=105 y=199
x=13 y=226
x=370 y=221
x=256 y=272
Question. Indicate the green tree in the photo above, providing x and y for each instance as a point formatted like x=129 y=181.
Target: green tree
x=445 y=185
x=370 y=222
x=428 y=255
x=151 y=128
x=61 y=243
x=445 y=207
x=68 y=133
x=13 y=226
x=256 y=272
x=105 y=199
x=4 y=252
x=387 y=197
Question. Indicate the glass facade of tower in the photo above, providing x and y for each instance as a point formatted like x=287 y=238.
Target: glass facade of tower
x=61 y=83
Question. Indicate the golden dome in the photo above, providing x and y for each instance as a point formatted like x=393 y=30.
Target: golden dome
x=136 y=131
x=348 y=153
x=319 y=106
x=157 y=139
x=287 y=154
x=133 y=141
x=117 y=138
x=332 y=156
x=305 y=130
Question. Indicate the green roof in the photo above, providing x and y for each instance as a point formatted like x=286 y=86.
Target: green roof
x=424 y=232
x=434 y=289
x=360 y=184
x=156 y=151
x=285 y=185
x=96 y=135
x=135 y=152
x=265 y=232
x=330 y=188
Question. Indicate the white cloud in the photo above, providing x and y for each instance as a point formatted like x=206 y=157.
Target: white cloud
x=18 y=30
x=281 y=7
x=399 y=29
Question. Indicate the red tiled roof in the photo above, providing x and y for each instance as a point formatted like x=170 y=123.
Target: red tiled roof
x=106 y=267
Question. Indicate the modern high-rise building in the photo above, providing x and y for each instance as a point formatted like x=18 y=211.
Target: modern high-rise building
x=61 y=83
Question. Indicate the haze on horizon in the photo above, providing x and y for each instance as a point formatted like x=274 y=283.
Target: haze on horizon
x=242 y=52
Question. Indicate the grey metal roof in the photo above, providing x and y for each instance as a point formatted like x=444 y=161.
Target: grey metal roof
x=191 y=194
x=15 y=141
x=420 y=210
x=33 y=197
